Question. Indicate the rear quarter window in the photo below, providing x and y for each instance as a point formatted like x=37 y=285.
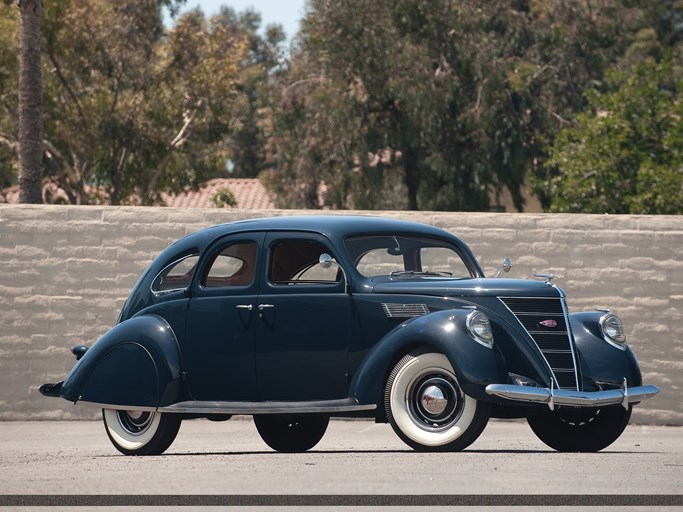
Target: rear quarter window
x=176 y=276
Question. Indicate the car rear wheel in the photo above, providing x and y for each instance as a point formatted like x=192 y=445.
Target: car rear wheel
x=427 y=408
x=140 y=432
x=291 y=434
x=580 y=430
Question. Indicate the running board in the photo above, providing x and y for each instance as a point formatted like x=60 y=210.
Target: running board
x=318 y=406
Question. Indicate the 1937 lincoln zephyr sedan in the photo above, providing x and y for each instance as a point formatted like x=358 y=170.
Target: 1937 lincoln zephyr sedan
x=297 y=319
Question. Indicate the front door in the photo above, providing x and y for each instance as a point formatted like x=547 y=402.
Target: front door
x=302 y=332
x=221 y=319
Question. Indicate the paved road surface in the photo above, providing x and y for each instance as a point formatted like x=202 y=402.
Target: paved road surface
x=355 y=457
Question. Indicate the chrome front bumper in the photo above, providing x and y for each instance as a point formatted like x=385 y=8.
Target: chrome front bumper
x=554 y=397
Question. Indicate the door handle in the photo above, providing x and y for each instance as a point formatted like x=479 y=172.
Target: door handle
x=261 y=307
x=248 y=307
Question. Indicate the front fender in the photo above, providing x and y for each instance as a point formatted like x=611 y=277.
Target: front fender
x=136 y=363
x=602 y=365
x=475 y=366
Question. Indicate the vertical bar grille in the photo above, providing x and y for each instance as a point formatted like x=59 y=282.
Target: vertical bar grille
x=546 y=321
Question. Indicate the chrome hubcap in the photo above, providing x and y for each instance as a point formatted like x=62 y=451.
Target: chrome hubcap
x=434 y=401
x=135 y=422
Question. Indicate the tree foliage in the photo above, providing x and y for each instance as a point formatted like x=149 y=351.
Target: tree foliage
x=133 y=109
x=625 y=154
x=373 y=108
x=435 y=105
x=391 y=104
x=252 y=113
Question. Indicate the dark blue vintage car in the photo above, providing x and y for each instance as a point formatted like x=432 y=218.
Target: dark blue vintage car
x=297 y=319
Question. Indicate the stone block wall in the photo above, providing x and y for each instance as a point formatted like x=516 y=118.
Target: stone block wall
x=65 y=272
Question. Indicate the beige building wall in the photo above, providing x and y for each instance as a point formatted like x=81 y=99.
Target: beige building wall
x=65 y=272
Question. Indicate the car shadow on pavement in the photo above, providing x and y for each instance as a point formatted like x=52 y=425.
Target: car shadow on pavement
x=374 y=452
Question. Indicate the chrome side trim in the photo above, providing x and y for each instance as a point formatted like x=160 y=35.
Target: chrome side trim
x=322 y=406
x=554 y=397
x=118 y=407
x=199 y=407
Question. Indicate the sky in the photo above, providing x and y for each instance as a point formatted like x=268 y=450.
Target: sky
x=285 y=12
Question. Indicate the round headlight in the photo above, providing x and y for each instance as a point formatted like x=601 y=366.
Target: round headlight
x=479 y=328
x=613 y=330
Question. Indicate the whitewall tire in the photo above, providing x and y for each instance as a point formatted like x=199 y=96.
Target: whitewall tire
x=140 y=432
x=427 y=408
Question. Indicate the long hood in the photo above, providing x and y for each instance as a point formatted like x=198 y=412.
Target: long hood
x=478 y=287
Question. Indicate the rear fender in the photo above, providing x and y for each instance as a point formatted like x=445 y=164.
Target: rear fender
x=136 y=363
x=601 y=362
x=445 y=332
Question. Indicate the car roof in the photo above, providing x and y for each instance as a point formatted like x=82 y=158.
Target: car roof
x=335 y=227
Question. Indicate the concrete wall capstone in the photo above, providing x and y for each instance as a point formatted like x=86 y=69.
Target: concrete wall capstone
x=66 y=271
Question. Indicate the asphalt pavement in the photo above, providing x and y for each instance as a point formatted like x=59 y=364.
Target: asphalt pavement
x=355 y=458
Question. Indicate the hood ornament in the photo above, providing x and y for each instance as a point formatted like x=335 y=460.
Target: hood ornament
x=548 y=277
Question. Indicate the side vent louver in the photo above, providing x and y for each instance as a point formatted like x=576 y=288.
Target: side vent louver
x=404 y=310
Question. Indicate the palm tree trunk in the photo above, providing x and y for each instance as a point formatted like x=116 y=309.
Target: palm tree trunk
x=30 y=103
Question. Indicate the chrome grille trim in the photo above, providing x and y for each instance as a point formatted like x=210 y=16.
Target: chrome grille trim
x=393 y=310
x=557 y=347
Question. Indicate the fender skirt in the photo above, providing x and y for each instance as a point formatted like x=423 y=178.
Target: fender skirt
x=136 y=363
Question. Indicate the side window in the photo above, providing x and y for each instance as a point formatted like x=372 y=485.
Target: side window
x=234 y=265
x=176 y=276
x=296 y=262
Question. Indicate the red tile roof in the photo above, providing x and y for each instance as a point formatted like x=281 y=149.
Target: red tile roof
x=249 y=193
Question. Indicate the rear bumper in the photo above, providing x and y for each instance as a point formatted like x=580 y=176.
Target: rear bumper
x=51 y=389
x=555 y=397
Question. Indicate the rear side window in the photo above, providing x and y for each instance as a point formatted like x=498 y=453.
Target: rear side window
x=176 y=276
x=234 y=265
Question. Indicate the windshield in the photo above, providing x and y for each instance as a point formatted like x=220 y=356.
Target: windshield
x=397 y=256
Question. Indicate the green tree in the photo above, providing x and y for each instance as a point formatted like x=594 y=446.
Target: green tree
x=133 y=109
x=575 y=43
x=129 y=105
x=625 y=154
x=252 y=113
x=436 y=105
x=366 y=99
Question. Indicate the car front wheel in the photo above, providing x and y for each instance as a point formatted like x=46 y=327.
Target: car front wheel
x=427 y=408
x=140 y=432
x=580 y=430
x=291 y=434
